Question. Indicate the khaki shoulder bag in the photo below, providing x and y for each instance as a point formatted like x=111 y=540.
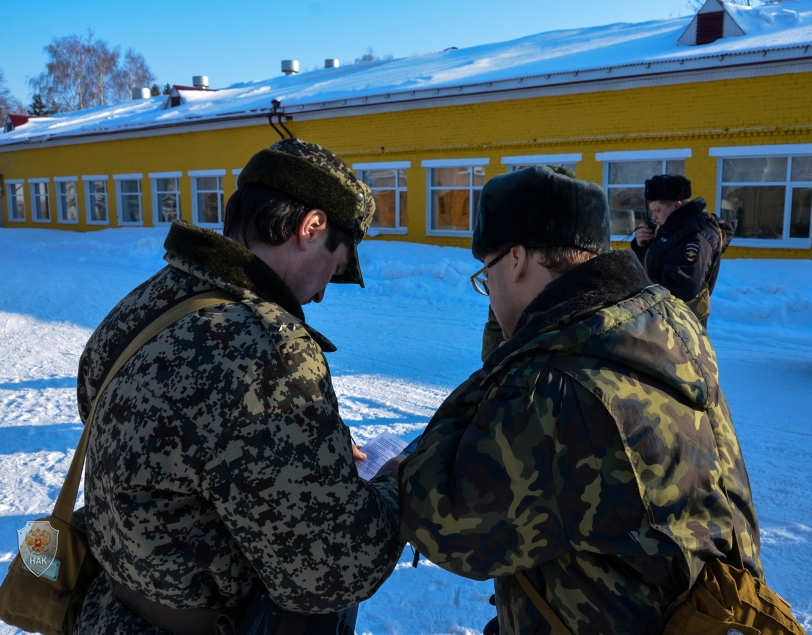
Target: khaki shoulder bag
x=50 y=603
x=725 y=600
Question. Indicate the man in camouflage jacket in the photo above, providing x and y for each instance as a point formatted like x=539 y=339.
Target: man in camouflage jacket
x=594 y=450
x=218 y=462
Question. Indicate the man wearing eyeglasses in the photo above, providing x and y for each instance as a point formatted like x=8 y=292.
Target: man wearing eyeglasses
x=579 y=467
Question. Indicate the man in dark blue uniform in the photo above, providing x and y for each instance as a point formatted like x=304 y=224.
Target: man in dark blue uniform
x=683 y=250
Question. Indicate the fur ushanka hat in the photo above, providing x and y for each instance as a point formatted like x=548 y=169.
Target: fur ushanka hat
x=541 y=206
x=668 y=187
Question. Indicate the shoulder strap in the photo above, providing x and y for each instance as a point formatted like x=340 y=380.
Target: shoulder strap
x=543 y=606
x=63 y=510
x=718 y=261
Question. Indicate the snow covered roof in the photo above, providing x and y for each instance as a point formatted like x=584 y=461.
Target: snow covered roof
x=772 y=33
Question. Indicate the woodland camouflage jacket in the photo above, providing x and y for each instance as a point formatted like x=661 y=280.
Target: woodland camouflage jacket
x=595 y=451
x=218 y=457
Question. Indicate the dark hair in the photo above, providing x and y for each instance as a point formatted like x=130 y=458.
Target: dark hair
x=559 y=259
x=257 y=212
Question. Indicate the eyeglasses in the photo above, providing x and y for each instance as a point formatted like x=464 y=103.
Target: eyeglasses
x=479 y=282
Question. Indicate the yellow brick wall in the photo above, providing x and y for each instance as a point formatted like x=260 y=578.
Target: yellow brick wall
x=755 y=111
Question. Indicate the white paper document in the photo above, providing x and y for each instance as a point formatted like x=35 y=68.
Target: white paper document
x=379 y=451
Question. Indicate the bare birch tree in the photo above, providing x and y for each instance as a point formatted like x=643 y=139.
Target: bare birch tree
x=85 y=72
x=103 y=72
x=64 y=82
x=134 y=73
x=9 y=105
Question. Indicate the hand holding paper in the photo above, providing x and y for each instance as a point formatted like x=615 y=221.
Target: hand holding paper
x=379 y=450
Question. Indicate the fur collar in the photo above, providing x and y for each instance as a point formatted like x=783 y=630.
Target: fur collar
x=682 y=216
x=596 y=284
x=228 y=259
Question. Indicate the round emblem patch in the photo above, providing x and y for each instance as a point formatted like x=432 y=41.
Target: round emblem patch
x=691 y=252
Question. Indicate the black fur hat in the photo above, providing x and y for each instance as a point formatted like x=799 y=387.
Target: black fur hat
x=668 y=187
x=541 y=207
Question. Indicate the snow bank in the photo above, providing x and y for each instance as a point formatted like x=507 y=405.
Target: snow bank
x=764 y=300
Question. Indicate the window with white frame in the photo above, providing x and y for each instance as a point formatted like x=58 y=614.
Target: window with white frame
x=96 y=200
x=769 y=196
x=624 y=179
x=207 y=197
x=566 y=161
x=165 y=197
x=40 y=201
x=128 y=191
x=388 y=184
x=16 y=200
x=454 y=188
x=66 y=202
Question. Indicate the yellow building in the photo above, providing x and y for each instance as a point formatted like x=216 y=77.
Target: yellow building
x=722 y=97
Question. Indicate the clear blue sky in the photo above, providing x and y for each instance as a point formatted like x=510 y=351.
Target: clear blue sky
x=239 y=41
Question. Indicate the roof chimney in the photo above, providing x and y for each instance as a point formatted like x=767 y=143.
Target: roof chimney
x=331 y=63
x=290 y=67
x=200 y=81
x=141 y=93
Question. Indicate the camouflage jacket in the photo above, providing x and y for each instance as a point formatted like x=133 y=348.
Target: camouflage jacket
x=595 y=451
x=218 y=457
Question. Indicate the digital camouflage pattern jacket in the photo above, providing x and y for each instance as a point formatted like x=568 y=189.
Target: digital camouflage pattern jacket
x=595 y=451
x=218 y=458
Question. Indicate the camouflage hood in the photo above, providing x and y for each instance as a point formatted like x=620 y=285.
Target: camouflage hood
x=602 y=309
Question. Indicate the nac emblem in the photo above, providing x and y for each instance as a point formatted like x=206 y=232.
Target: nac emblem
x=38 y=542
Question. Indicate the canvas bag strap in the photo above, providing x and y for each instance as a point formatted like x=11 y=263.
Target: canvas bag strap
x=543 y=606
x=63 y=510
x=718 y=262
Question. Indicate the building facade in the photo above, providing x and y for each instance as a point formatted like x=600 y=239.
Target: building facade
x=736 y=123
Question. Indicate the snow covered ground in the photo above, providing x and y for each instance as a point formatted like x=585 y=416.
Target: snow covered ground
x=404 y=343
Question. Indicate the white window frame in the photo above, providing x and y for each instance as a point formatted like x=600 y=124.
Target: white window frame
x=389 y=165
x=449 y=163
x=194 y=175
x=21 y=183
x=58 y=180
x=156 y=211
x=32 y=183
x=541 y=159
x=624 y=156
x=120 y=198
x=236 y=174
x=86 y=179
x=787 y=151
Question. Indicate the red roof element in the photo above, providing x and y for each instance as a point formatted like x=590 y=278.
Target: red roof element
x=17 y=120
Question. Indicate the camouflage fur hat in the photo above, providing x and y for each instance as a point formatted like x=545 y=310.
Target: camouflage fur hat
x=317 y=177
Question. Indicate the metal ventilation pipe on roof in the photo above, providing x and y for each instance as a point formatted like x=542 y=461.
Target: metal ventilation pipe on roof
x=200 y=81
x=331 y=63
x=141 y=93
x=290 y=67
